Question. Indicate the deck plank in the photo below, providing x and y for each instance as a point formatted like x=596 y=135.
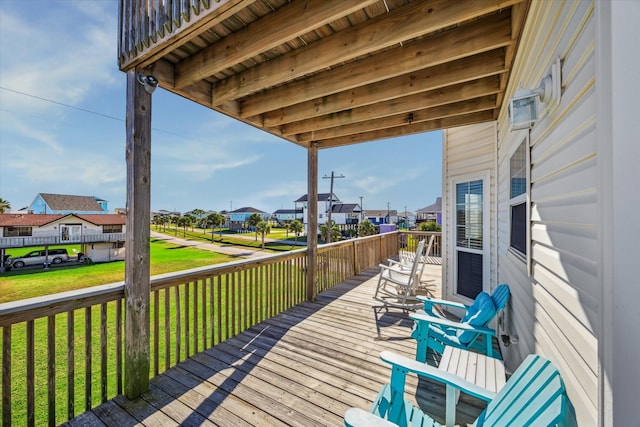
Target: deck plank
x=306 y=366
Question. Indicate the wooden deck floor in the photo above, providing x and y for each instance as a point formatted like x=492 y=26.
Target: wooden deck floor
x=306 y=366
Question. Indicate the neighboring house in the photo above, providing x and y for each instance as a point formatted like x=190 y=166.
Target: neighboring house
x=323 y=206
x=345 y=213
x=381 y=216
x=407 y=219
x=431 y=213
x=238 y=218
x=101 y=236
x=288 y=215
x=46 y=203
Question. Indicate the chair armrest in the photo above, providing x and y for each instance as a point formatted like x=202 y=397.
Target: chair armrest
x=427 y=371
x=419 y=317
x=434 y=301
x=356 y=417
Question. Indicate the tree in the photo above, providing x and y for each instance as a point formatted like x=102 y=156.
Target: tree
x=335 y=231
x=429 y=226
x=366 y=228
x=296 y=228
x=198 y=214
x=184 y=222
x=192 y=220
x=173 y=219
x=263 y=227
x=4 y=205
x=253 y=221
x=214 y=220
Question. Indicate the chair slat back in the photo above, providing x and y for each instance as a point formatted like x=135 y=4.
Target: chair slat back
x=534 y=395
x=501 y=296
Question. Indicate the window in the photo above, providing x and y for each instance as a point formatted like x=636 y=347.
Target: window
x=113 y=228
x=518 y=174
x=17 y=231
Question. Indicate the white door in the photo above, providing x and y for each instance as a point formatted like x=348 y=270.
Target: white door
x=71 y=233
x=470 y=228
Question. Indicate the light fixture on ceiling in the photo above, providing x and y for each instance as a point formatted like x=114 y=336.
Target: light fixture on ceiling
x=523 y=107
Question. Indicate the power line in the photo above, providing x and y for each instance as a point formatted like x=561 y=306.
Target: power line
x=84 y=110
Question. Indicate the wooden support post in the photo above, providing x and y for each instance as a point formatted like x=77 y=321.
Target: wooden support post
x=137 y=270
x=312 y=221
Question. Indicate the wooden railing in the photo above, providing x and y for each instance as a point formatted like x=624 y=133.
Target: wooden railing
x=144 y=24
x=62 y=354
x=26 y=241
x=408 y=241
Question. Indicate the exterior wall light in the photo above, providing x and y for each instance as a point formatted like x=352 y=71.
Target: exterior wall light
x=523 y=107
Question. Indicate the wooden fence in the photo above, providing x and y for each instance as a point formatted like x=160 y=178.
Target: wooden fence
x=62 y=354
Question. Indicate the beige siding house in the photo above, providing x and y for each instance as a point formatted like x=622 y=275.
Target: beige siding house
x=573 y=282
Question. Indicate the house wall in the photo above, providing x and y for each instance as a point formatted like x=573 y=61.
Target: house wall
x=468 y=150
x=555 y=290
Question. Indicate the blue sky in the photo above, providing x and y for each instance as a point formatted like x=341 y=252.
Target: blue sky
x=62 y=130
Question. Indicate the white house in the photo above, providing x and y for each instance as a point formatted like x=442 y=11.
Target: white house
x=552 y=209
x=345 y=213
x=101 y=236
x=323 y=203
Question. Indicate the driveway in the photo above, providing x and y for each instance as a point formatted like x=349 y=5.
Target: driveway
x=239 y=252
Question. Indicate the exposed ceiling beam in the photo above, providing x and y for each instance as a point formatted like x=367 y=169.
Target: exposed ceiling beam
x=448 y=122
x=432 y=78
x=407 y=104
x=419 y=116
x=469 y=39
x=276 y=28
x=399 y=25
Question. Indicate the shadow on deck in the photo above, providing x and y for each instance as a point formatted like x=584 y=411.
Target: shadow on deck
x=306 y=366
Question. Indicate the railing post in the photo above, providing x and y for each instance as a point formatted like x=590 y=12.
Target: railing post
x=137 y=269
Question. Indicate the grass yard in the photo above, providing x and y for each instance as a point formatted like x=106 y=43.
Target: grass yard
x=165 y=258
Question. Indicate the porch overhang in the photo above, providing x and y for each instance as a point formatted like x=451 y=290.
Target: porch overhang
x=329 y=72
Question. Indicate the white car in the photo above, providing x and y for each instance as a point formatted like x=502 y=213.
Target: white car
x=40 y=257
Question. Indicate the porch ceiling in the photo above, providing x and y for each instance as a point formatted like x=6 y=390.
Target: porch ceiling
x=342 y=72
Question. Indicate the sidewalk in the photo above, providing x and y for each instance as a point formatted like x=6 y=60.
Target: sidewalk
x=228 y=250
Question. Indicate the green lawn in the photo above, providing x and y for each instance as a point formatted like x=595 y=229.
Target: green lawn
x=165 y=258
x=19 y=284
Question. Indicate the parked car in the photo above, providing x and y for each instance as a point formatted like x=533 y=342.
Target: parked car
x=55 y=256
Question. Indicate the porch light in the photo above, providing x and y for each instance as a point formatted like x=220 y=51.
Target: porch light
x=523 y=107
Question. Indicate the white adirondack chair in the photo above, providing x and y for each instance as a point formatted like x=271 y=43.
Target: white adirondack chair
x=397 y=284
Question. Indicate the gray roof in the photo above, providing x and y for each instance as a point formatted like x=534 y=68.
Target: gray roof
x=380 y=212
x=345 y=208
x=248 y=209
x=64 y=202
x=288 y=211
x=436 y=207
x=322 y=197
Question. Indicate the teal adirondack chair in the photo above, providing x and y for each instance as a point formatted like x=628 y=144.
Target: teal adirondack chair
x=431 y=330
x=533 y=396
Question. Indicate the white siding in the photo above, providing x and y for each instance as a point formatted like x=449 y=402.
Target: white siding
x=468 y=150
x=554 y=311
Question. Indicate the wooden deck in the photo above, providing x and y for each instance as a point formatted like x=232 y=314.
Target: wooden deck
x=304 y=367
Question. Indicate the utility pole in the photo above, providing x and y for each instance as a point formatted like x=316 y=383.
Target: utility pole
x=361 y=210
x=330 y=203
x=388 y=213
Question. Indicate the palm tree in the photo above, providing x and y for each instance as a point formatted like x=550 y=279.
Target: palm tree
x=184 y=222
x=4 y=205
x=214 y=220
x=253 y=221
x=263 y=227
x=192 y=220
x=330 y=227
x=366 y=228
x=296 y=227
x=198 y=214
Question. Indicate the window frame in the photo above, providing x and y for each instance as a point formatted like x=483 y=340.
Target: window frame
x=520 y=199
